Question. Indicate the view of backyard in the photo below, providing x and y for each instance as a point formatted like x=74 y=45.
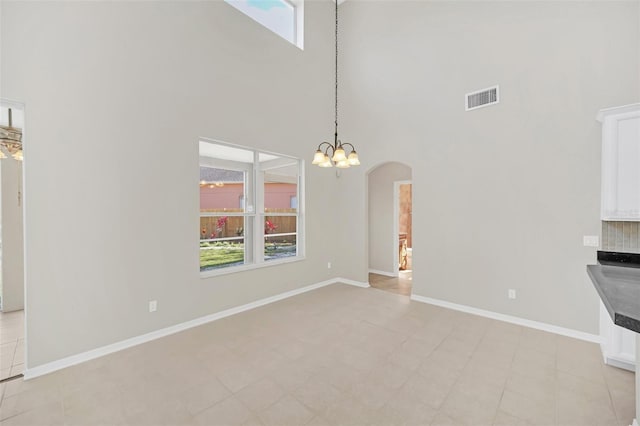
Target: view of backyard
x=217 y=254
x=225 y=213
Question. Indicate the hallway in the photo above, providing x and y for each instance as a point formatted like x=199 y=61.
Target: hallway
x=398 y=285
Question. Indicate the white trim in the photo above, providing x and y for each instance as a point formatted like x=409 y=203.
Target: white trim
x=248 y=267
x=510 y=319
x=605 y=112
x=635 y=422
x=352 y=282
x=50 y=367
x=379 y=272
x=618 y=362
x=134 y=341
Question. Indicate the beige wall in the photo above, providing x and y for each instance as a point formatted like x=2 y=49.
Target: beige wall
x=502 y=195
x=117 y=95
x=11 y=236
x=382 y=241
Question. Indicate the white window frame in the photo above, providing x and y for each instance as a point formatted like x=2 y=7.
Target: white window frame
x=298 y=23
x=254 y=196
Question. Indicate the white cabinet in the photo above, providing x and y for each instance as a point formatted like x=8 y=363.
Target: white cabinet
x=620 y=163
x=618 y=344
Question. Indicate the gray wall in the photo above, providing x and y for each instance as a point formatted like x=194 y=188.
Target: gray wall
x=11 y=236
x=381 y=237
x=502 y=195
x=117 y=95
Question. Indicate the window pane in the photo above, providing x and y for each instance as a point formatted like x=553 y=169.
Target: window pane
x=221 y=241
x=280 y=239
x=281 y=188
x=277 y=15
x=221 y=190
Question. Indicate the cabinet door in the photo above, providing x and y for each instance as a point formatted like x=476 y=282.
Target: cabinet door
x=621 y=166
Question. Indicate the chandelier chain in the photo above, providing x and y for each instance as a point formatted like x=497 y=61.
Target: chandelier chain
x=336 y=58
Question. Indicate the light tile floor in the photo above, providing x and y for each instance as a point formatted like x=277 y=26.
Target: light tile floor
x=399 y=285
x=11 y=343
x=339 y=355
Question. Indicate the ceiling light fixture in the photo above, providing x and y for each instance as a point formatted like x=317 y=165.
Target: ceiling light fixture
x=11 y=140
x=329 y=153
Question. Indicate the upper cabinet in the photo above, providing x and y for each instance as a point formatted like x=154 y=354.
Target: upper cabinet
x=620 y=163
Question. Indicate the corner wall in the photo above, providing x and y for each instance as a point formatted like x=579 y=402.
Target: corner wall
x=118 y=94
x=502 y=195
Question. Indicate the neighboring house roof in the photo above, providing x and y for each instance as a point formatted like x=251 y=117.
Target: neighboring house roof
x=209 y=174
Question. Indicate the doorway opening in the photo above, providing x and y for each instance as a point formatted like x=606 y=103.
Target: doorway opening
x=390 y=228
x=12 y=334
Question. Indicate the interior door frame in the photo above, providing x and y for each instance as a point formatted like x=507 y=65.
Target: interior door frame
x=10 y=103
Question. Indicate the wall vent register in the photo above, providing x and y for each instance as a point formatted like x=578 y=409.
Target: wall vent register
x=482 y=98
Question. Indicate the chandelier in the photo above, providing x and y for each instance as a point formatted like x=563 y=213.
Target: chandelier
x=329 y=153
x=11 y=140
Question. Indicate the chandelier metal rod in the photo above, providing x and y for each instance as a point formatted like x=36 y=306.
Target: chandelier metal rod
x=336 y=78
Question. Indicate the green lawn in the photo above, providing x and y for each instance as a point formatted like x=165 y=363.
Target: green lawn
x=217 y=255
x=220 y=254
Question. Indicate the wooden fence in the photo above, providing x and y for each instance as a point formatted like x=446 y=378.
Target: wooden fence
x=233 y=226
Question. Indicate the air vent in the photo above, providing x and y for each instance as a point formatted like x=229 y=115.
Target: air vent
x=482 y=98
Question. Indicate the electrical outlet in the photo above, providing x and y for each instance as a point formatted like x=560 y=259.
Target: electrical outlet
x=328 y=265
x=591 y=241
x=512 y=293
x=153 y=306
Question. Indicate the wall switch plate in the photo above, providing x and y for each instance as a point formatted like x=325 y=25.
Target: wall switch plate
x=591 y=241
x=153 y=306
x=511 y=293
x=328 y=265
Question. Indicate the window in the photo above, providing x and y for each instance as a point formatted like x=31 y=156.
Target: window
x=247 y=213
x=283 y=17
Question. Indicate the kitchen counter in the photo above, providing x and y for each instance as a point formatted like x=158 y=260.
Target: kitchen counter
x=619 y=289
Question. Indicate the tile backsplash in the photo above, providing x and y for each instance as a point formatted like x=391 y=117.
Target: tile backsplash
x=621 y=236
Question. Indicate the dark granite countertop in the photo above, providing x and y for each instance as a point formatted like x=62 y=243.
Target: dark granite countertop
x=616 y=258
x=619 y=289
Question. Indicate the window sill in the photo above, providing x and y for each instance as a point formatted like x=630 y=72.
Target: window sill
x=249 y=267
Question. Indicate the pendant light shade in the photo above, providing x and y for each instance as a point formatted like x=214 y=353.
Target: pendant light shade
x=326 y=162
x=329 y=153
x=318 y=157
x=339 y=155
x=353 y=159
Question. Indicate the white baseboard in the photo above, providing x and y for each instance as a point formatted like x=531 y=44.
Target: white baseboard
x=635 y=422
x=50 y=367
x=510 y=319
x=618 y=362
x=352 y=282
x=385 y=273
